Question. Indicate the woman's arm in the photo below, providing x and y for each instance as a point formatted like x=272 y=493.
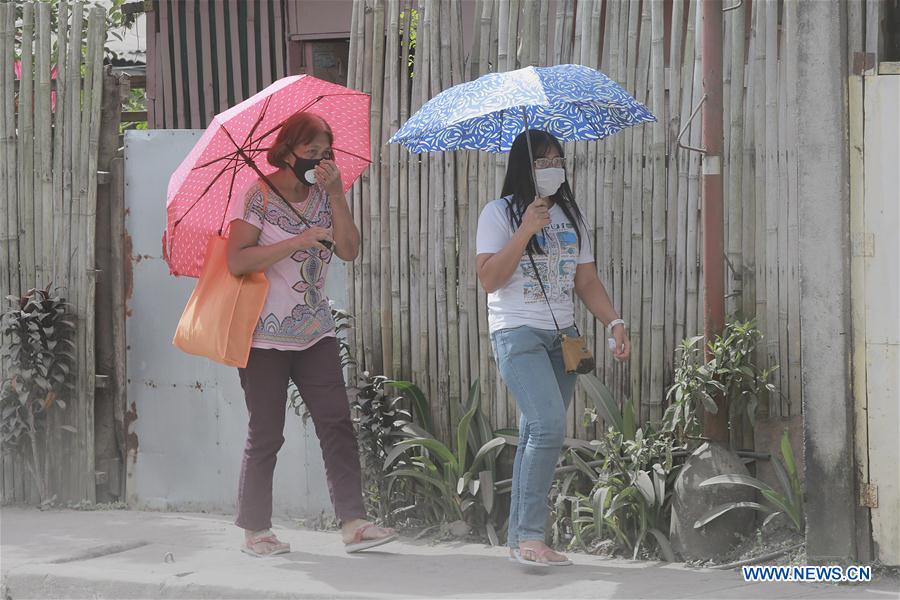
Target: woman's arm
x=346 y=235
x=591 y=291
x=495 y=270
x=246 y=256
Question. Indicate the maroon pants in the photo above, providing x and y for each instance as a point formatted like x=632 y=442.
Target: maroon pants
x=316 y=372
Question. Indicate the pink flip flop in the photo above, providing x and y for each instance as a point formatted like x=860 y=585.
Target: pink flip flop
x=540 y=558
x=265 y=544
x=358 y=543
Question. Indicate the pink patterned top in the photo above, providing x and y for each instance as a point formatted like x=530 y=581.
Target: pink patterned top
x=297 y=314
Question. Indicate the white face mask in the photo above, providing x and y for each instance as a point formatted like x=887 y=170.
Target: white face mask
x=549 y=180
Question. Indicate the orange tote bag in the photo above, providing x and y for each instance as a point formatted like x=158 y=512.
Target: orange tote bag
x=222 y=313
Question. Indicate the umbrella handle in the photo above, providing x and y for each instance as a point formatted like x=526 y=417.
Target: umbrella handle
x=530 y=151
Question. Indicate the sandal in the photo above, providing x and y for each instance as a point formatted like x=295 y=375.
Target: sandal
x=359 y=543
x=264 y=543
x=540 y=558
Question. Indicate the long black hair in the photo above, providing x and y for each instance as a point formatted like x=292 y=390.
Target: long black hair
x=519 y=185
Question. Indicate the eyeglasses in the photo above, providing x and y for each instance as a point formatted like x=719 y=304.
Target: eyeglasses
x=545 y=163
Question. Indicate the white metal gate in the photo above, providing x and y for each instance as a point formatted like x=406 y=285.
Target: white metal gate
x=187 y=416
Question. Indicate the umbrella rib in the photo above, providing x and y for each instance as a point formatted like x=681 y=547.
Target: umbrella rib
x=259 y=120
x=233 y=167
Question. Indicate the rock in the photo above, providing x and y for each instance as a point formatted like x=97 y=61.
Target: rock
x=459 y=529
x=690 y=502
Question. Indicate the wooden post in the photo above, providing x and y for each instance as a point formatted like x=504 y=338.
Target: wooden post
x=715 y=426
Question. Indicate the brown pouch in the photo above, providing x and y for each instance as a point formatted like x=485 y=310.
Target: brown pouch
x=576 y=355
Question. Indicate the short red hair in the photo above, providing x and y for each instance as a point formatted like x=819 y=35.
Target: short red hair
x=301 y=128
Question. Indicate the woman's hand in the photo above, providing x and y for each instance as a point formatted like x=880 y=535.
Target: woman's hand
x=329 y=176
x=623 y=345
x=312 y=238
x=536 y=217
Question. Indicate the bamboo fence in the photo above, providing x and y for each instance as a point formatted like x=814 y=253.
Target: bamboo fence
x=420 y=311
x=50 y=134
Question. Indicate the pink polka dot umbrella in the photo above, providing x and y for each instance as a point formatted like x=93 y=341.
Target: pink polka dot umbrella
x=230 y=156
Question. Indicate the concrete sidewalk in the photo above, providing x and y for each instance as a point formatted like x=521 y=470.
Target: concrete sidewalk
x=127 y=554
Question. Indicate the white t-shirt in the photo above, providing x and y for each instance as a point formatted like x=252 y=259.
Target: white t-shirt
x=520 y=301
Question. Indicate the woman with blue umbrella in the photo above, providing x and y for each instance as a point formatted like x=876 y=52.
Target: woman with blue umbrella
x=532 y=252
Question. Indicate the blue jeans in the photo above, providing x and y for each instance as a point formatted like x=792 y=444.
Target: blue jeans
x=531 y=364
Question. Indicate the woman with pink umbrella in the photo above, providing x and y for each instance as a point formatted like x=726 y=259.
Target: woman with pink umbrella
x=292 y=218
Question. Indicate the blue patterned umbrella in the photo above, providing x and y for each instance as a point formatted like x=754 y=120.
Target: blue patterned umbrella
x=572 y=102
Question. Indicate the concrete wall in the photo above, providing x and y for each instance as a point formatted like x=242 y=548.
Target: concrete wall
x=824 y=280
x=189 y=418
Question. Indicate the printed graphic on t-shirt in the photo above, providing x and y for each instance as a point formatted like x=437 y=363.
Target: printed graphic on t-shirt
x=556 y=265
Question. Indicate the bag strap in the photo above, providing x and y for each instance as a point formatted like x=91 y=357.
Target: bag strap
x=267 y=184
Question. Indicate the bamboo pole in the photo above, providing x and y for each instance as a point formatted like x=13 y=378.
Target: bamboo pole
x=441 y=184
x=7 y=148
x=506 y=16
x=60 y=143
x=43 y=155
x=628 y=39
x=352 y=299
x=771 y=188
x=690 y=96
x=693 y=197
x=646 y=223
x=468 y=226
x=383 y=250
x=558 y=39
x=433 y=245
x=759 y=111
x=404 y=159
x=489 y=16
x=423 y=72
x=568 y=31
x=658 y=212
x=543 y=32
x=390 y=234
x=615 y=47
x=417 y=361
x=72 y=142
x=675 y=101
x=795 y=389
x=17 y=279
x=371 y=333
x=784 y=370
x=608 y=225
x=735 y=158
x=637 y=246
x=26 y=150
x=748 y=183
x=382 y=339
x=447 y=262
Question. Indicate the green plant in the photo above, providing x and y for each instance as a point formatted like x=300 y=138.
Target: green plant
x=731 y=371
x=788 y=501
x=628 y=492
x=38 y=354
x=379 y=419
x=458 y=484
x=631 y=493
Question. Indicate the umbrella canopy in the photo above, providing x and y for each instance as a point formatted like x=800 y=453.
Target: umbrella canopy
x=231 y=155
x=572 y=102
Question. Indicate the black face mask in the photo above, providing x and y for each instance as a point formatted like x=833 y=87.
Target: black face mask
x=304 y=169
